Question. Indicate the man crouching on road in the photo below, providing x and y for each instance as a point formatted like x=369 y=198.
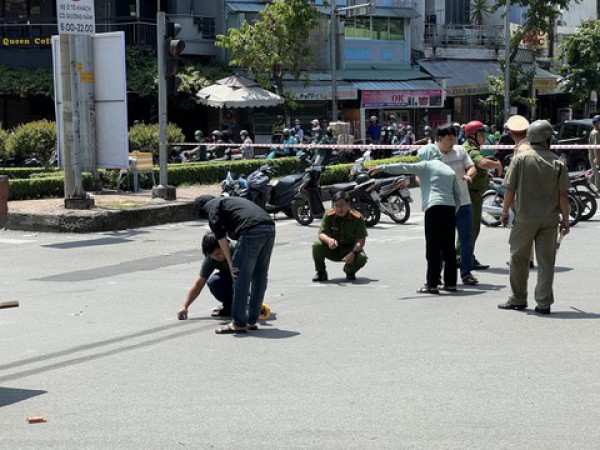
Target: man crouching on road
x=215 y=273
x=253 y=228
x=342 y=237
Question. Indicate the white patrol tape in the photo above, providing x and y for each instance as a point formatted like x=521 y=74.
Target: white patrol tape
x=377 y=147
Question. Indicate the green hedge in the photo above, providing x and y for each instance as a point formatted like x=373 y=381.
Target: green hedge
x=42 y=184
x=35 y=188
x=14 y=173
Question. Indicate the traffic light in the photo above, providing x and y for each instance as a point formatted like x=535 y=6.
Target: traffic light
x=173 y=47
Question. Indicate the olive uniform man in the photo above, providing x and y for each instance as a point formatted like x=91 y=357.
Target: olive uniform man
x=342 y=237
x=539 y=183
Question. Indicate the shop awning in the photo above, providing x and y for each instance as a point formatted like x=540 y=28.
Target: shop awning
x=462 y=77
x=470 y=77
x=407 y=13
x=382 y=75
x=412 y=85
x=243 y=7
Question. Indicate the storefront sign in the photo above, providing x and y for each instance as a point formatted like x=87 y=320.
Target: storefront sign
x=317 y=93
x=410 y=99
x=476 y=89
x=76 y=17
x=544 y=83
x=28 y=42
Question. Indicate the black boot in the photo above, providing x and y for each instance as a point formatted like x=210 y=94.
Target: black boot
x=321 y=275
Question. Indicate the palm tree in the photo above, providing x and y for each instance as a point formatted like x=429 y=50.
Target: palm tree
x=480 y=10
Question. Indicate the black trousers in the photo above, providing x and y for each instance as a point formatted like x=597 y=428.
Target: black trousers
x=439 y=245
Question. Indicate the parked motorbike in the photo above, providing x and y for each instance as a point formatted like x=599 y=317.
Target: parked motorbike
x=259 y=187
x=586 y=191
x=391 y=195
x=308 y=205
x=493 y=202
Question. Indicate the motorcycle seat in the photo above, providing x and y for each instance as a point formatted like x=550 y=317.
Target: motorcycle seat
x=342 y=187
x=289 y=180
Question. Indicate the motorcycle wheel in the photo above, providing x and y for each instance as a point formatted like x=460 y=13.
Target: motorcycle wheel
x=575 y=209
x=404 y=213
x=371 y=213
x=302 y=212
x=588 y=203
x=492 y=199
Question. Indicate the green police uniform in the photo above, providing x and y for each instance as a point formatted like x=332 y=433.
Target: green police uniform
x=477 y=188
x=346 y=231
x=537 y=176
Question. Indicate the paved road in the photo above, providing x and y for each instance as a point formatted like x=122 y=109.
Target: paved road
x=95 y=347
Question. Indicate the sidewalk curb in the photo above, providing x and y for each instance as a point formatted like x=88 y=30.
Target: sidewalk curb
x=94 y=220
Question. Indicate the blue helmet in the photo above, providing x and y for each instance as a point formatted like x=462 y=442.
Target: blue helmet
x=596 y=119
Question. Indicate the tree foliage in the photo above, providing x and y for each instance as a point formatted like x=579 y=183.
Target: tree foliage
x=275 y=45
x=581 y=74
x=33 y=139
x=25 y=83
x=538 y=17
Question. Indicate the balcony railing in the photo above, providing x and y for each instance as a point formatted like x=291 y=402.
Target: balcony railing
x=18 y=35
x=453 y=35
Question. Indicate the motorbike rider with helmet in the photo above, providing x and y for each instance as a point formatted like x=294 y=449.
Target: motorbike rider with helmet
x=427 y=138
x=594 y=154
x=476 y=136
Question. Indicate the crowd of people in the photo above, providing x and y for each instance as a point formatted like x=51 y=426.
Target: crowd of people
x=452 y=178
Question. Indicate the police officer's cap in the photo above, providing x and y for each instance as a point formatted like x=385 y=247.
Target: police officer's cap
x=517 y=123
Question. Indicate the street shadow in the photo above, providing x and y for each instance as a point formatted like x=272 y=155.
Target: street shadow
x=8 y=396
x=343 y=282
x=573 y=314
x=89 y=243
x=271 y=333
x=498 y=270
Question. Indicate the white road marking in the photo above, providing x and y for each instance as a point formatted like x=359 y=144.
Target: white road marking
x=16 y=241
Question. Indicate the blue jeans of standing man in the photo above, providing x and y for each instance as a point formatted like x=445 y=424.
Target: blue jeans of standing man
x=464 y=227
x=252 y=257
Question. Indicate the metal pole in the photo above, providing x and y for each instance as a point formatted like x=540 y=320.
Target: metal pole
x=163 y=190
x=67 y=114
x=76 y=150
x=507 y=61
x=333 y=51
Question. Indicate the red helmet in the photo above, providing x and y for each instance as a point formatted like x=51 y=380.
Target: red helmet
x=473 y=127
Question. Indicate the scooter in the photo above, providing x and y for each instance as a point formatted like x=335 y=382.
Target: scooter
x=308 y=205
x=258 y=187
x=493 y=202
x=586 y=191
x=391 y=195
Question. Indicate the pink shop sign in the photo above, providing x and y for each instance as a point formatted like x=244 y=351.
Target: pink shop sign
x=411 y=99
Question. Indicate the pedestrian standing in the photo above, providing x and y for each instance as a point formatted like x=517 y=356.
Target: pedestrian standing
x=246 y=149
x=594 y=154
x=539 y=183
x=457 y=158
x=254 y=229
x=476 y=136
x=440 y=198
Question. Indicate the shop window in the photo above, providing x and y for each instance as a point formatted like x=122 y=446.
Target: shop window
x=358 y=28
x=15 y=9
x=206 y=27
x=397 y=29
x=381 y=30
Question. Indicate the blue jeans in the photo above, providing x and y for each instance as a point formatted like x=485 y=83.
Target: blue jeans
x=252 y=257
x=221 y=286
x=464 y=227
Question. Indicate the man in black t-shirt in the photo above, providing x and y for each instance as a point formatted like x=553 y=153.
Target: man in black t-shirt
x=254 y=229
x=215 y=273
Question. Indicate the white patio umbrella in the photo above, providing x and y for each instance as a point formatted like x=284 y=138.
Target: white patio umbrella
x=237 y=92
